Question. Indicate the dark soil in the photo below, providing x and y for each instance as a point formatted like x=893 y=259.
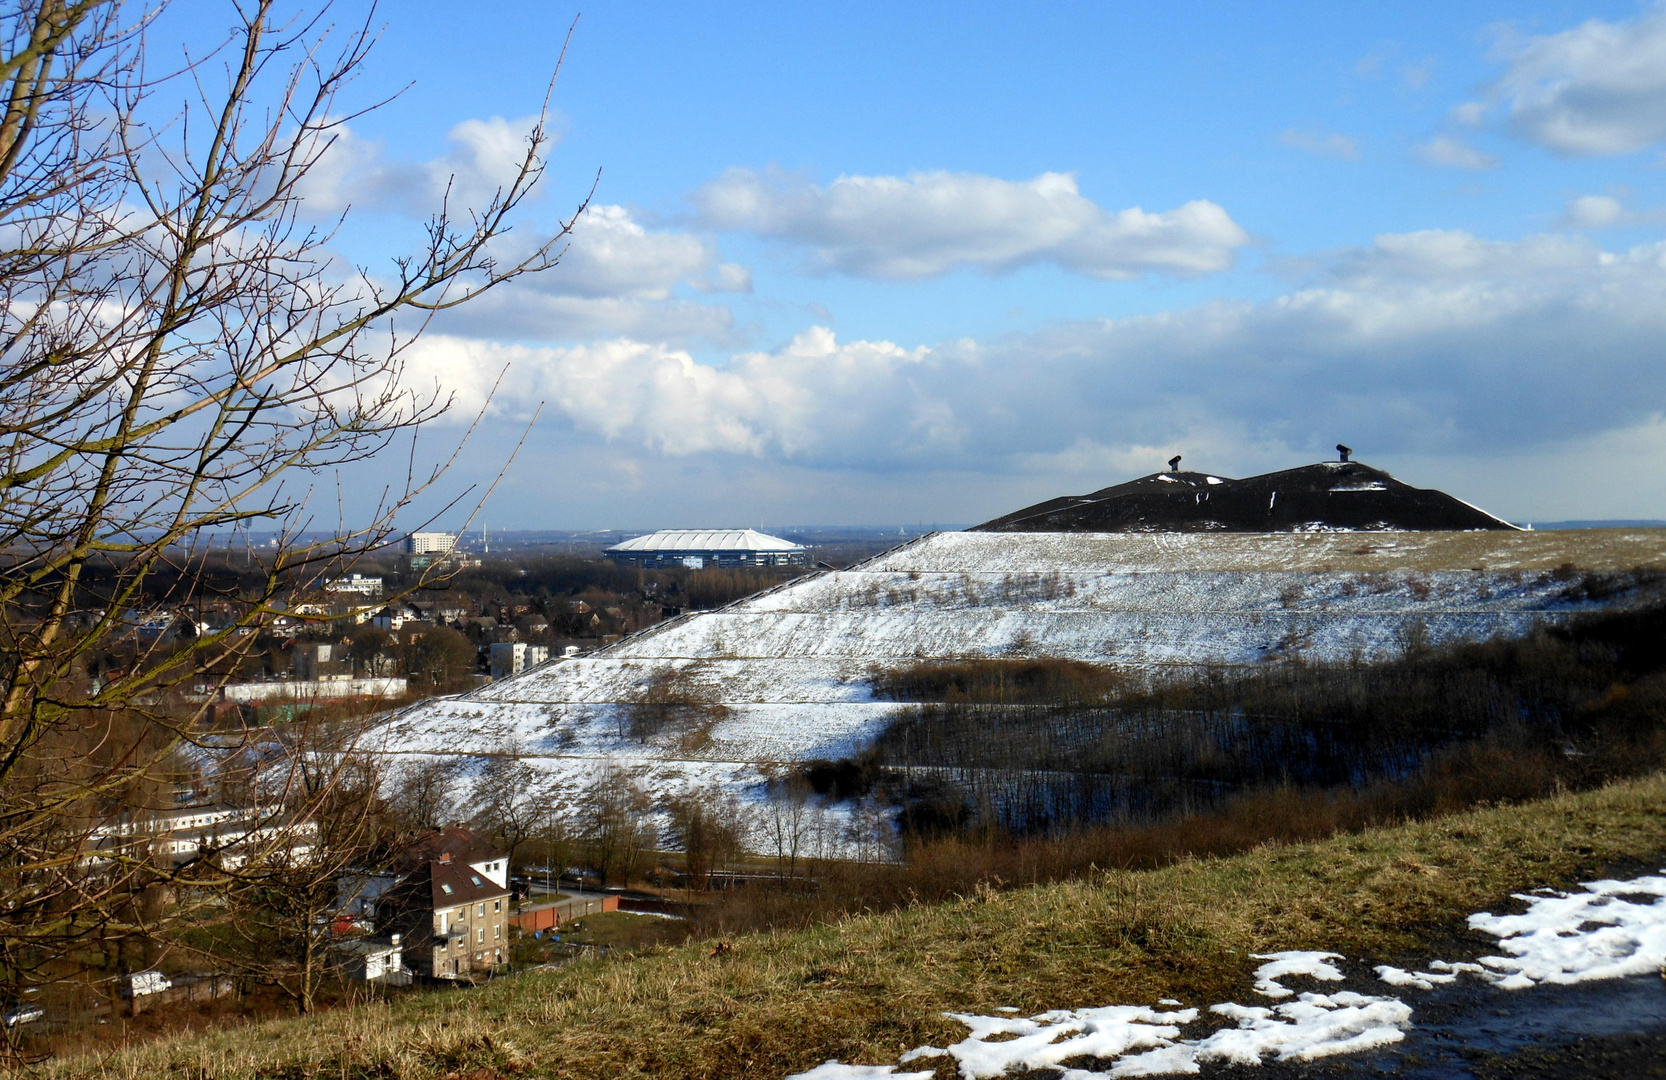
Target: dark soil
x=1331 y=495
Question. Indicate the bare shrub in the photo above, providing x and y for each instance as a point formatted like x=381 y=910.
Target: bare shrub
x=673 y=703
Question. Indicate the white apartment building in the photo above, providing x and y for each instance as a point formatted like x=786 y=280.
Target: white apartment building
x=513 y=657
x=357 y=584
x=430 y=543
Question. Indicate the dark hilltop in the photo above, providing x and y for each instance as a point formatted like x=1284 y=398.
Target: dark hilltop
x=1331 y=496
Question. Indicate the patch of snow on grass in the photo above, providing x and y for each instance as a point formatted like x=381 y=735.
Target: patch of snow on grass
x=832 y=1070
x=1313 y=1026
x=1137 y=1041
x=1422 y=980
x=1287 y=964
x=1044 y=1041
x=1610 y=930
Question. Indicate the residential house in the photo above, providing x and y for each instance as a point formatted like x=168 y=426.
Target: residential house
x=449 y=902
x=395 y=616
x=320 y=661
x=376 y=959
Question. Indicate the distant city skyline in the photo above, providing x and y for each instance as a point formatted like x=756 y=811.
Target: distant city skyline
x=892 y=263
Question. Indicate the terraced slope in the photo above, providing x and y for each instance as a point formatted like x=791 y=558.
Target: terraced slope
x=791 y=664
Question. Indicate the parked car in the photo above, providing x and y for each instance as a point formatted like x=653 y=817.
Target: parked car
x=23 y=1014
x=141 y=983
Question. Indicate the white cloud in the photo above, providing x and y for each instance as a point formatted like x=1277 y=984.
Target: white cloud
x=926 y=224
x=610 y=254
x=1594 y=212
x=1321 y=144
x=1445 y=152
x=1597 y=89
x=1422 y=343
x=1469 y=114
x=727 y=277
x=1607 y=212
x=800 y=400
x=483 y=156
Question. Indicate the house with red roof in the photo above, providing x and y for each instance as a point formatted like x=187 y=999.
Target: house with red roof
x=450 y=903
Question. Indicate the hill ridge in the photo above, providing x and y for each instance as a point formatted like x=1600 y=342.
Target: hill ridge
x=1328 y=496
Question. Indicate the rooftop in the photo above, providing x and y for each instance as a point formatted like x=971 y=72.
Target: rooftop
x=707 y=540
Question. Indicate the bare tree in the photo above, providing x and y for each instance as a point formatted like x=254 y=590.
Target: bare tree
x=710 y=827
x=279 y=893
x=180 y=357
x=420 y=794
x=614 y=820
x=507 y=801
x=788 y=821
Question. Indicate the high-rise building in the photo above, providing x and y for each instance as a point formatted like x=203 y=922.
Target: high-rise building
x=426 y=543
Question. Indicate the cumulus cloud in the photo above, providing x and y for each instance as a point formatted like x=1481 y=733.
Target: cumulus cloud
x=610 y=254
x=1606 y=212
x=1429 y=342
x=1322 y=145
x=615 y=274
x=1445 y=152
x=927 y=224
x=482 y=156
x=1597 y=89
x=803 y=399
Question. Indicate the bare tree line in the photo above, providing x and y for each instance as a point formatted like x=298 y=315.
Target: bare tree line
x=183 y=357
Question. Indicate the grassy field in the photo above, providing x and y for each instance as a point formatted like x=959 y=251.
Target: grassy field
x=868 y=987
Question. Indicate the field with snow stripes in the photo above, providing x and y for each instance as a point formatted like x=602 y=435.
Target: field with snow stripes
x=791 y=664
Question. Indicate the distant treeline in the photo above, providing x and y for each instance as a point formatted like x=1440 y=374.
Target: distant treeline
x=1025 y=747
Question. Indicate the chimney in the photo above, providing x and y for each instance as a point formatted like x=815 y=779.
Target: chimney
x=1174 y=463
x=1344 y=451
x=445 y=858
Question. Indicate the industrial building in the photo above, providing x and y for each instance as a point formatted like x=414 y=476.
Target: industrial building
x=697 y=548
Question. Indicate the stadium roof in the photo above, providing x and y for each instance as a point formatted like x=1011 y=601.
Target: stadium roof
x=707 y=540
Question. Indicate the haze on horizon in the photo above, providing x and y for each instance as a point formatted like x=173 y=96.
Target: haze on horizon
x=882 y=265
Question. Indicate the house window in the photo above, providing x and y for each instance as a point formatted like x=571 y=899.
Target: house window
x=445 y=888
x=497 y=930
x=482 y=911
x=481 y=938
x=497 y=905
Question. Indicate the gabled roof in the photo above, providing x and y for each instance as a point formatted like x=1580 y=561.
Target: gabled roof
x=455 y=883
x=437 y=885
x=707 y=540
x=462 y=845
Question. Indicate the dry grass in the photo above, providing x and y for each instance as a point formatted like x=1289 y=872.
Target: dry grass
x=868 y=987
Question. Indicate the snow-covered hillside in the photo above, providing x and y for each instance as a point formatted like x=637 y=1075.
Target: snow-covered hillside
x=791 y=664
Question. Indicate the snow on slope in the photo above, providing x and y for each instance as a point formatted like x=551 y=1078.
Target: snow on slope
x=792 y=663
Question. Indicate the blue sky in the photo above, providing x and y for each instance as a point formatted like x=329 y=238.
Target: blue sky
x=880 y=263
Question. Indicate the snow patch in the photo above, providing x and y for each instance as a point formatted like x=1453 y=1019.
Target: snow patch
x=1610 y=930
x=832 y=1070
x=1043 y=1041
x=1313 y=1026
x=1286 y=964
x=1607 y=930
